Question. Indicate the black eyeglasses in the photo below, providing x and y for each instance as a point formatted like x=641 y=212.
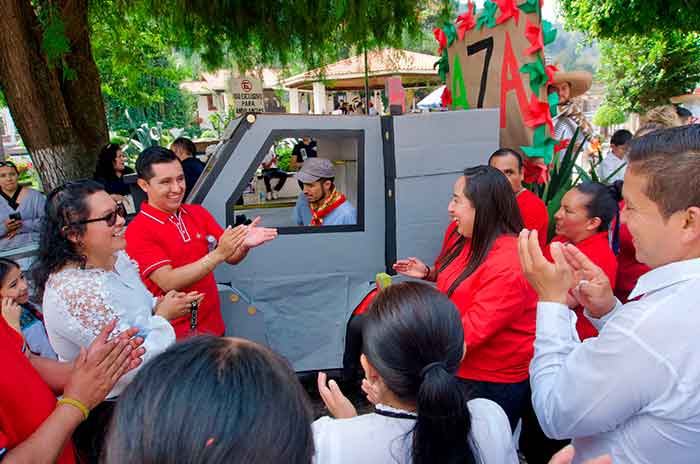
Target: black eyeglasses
x=110 y=218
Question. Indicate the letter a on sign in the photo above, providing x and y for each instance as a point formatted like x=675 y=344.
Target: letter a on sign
x=459 y=91
x=510 y=80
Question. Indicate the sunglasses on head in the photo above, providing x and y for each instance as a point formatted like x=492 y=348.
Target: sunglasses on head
x=110 y=218
x=8 y=164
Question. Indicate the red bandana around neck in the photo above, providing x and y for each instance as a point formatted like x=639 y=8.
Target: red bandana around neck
x=328 y=206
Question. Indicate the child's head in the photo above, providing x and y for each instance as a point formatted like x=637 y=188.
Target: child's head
x=12 y=281
x=619 y=141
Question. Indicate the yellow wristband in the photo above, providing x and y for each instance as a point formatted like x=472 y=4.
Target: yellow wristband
x=76 y=404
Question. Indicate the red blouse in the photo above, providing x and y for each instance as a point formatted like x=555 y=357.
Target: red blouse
x=25 y=399
x=597 y=249
x=534 y=214
x=497 y=306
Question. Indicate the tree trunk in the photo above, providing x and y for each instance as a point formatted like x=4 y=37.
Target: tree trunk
x=62 y=123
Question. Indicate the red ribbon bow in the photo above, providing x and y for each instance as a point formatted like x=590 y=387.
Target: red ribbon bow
x=446 y=98
x=533 y=33
x=538 y=114
x=508 y=10
x=466 y=21
x=441 y=38
x=536 y=172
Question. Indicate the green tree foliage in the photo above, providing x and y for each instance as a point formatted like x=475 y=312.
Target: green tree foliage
x=641 y=72
x=138 y=71
x=614 y=18
x=266 y=31
x=609 y=115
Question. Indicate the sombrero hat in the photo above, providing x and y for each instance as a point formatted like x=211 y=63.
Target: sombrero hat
x=580 y=81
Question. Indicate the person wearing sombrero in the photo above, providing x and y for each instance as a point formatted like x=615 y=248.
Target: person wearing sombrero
x=569 y=85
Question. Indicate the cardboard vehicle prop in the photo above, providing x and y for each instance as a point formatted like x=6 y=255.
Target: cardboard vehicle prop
x=297 y=293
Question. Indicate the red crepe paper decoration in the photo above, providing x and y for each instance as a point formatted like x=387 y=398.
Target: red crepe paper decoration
x=466 y=21
x=550 y=70
x=446 y=98
x=508 y=10
x=536 y=172
x=533 y=33
x=441 y=39
x=562 y=145
x=538 y=114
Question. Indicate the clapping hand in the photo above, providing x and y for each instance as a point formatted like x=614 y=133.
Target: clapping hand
x=337 y=403
x=551 y=281
x=102 y=364
x=258 y=235
x=593 y=290
x=411 y=267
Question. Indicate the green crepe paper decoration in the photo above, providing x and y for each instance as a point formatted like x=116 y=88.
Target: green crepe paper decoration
x=553 y=99
x=548 y=32
x=530 y=6
x=459 y=90
x=487 y=16
x=538 y=75
x=542 y=146
x=443 y=65
x=451 y=33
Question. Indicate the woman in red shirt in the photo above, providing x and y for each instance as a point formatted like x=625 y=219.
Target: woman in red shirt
x=479 y=269
x=34 y=427
x=583 y=219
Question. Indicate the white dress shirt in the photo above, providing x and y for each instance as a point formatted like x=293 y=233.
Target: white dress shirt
x=634 y=391
x=374 y=438
x=610 y=164
x=78 y=303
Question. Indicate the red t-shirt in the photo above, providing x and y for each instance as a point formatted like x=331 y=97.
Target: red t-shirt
x=155 y=239
x=597 y=249
x=498 y=307
x=25 y=399
x=534 y=213
x=629 y=270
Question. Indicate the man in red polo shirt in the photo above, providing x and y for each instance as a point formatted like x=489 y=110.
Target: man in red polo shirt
x=178 y=246
x=532 y=209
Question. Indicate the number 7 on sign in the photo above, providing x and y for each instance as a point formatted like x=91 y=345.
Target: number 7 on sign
x=473 y=49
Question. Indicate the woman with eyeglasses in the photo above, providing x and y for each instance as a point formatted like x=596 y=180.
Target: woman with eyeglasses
x=86 y=279
x=21 y=209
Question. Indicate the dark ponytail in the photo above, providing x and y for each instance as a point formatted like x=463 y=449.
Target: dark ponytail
x=414 y=338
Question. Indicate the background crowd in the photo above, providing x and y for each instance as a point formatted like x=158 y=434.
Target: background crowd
x=585 y=338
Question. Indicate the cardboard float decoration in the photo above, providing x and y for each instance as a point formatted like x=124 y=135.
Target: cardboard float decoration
x=494 y=58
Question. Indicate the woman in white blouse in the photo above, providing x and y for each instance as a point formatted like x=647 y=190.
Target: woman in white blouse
x=87 y=280
x=413 y=342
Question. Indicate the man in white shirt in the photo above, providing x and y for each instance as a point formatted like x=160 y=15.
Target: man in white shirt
x=613 y=166
x=633 y=392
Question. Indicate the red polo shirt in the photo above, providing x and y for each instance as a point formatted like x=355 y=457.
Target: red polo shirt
x=597 y=249
x=155 y=239
x=534 y=213
x=629 y=270
x=497 y=306
x=25 y=399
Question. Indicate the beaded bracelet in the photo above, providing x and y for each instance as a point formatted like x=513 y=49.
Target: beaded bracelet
x=77 y=404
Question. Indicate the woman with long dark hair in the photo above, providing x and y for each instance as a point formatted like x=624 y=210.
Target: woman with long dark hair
x=86 y=279
x=212 y=400
x=479 y=270
x=413 y=344
x=110 y=171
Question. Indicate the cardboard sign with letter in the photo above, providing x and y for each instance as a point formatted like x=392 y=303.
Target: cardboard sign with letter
x=485 y=69
x=247 y=95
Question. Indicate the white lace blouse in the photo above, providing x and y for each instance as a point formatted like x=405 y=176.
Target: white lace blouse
x=79 y=302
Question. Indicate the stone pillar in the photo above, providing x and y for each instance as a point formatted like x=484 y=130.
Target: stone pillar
x=294 y=101
x=319 y=98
